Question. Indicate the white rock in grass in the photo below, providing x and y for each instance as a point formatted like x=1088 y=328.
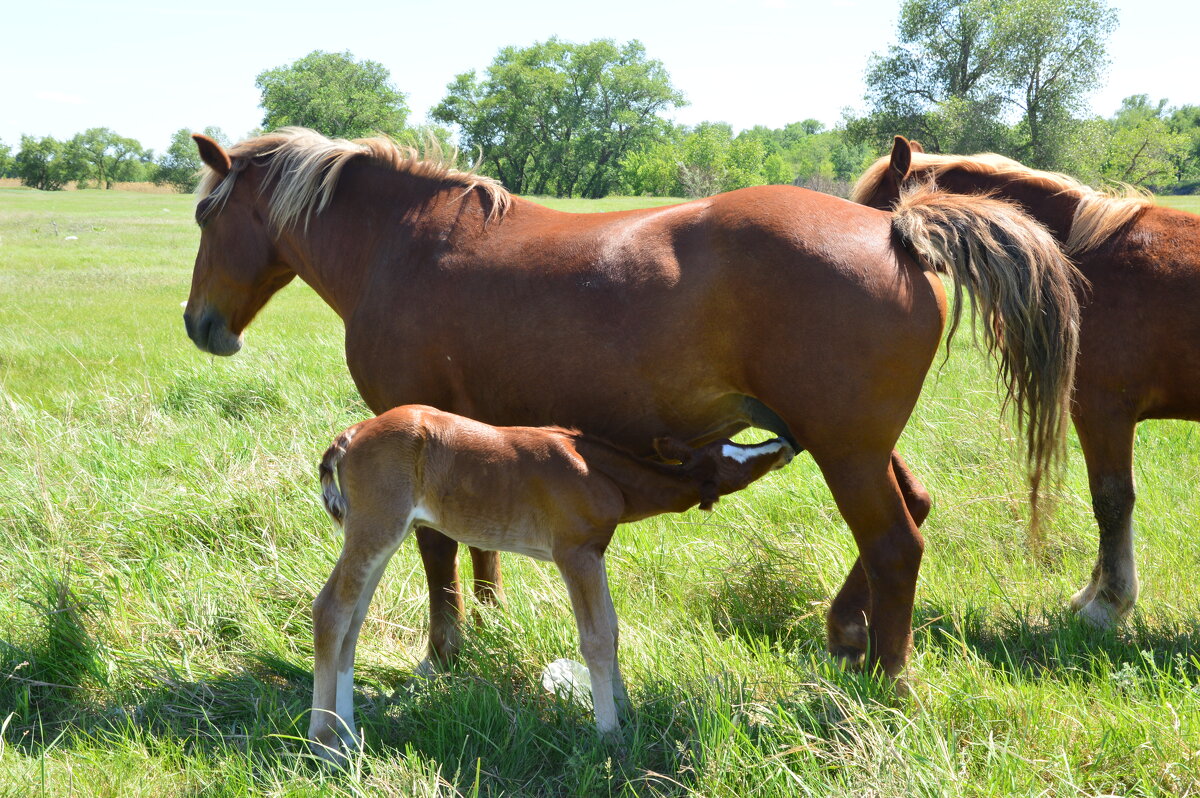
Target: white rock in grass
x=71 y=238
x=568 y=680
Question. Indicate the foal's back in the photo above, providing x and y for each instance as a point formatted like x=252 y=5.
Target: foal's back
x=503 y=489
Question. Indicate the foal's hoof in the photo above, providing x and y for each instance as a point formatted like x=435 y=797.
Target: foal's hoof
x=336 y=752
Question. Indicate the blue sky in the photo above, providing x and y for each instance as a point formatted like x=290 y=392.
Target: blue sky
x=147 y=69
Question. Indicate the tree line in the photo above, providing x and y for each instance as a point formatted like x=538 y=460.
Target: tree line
x=567 y=119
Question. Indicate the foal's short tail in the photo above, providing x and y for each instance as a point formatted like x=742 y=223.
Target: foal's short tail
x=1018 y=278
x=331 y=495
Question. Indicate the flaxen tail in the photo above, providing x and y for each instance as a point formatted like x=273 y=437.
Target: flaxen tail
x=331 y=495
x=1018 y=279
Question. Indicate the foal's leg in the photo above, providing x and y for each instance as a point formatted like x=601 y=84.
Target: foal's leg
x=847 y=621
x=869 y=497
x=338 y=614
x=582 y=569
x=1108 y=450
x=439 y=555
x=621 y=697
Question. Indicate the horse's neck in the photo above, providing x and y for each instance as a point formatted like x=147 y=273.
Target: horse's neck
x=1054 y=209
x=649 y=488
x=338 y=249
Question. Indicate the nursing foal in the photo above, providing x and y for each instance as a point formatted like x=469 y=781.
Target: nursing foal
x=551 y=493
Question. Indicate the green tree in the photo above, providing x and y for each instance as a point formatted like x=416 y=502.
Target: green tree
x=1185 y=121
x=101 y=155
x=963 y=69
x=180 y=165
x=1143 y=149
x=1058 y=55
x=6 y=160
x=943 y=81
x=43 y=163
x=334 y=95
x=558 y=117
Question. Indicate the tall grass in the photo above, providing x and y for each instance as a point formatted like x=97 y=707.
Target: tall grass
x=163 y=544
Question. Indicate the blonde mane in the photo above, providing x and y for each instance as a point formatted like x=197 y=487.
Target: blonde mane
x=304 y=167
x=1099 y=214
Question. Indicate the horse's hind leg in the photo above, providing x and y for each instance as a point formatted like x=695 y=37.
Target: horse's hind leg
x=439 y=555
x=869 y=497
x=847 y=621
x=1108 y=449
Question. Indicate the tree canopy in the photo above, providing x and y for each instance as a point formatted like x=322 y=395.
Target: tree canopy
x=102 y=155
x=558 y=117
x=962 y=70
x=180 y=164
x=334 y=95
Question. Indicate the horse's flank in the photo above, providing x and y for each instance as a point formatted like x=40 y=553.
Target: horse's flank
x=304 y=167
x=1099 y=214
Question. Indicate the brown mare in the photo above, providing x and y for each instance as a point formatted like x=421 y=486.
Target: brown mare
x=774 y=307
x=1139 y=347
x=550 y=493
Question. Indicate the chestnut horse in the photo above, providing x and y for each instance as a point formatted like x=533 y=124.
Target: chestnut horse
x=1139 y=351
x=774 y=307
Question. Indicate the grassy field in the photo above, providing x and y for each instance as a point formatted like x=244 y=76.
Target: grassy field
x=162 y=544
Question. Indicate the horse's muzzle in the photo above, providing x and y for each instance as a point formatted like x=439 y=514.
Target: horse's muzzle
x=211 y=334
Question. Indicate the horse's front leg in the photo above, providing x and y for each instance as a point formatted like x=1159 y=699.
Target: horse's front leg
x=848 y=618
x=1108 y=449
x=439 y=555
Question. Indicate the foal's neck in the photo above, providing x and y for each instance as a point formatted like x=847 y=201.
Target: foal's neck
x=649 y=488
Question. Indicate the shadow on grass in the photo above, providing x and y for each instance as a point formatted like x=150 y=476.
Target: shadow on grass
x=1058 y=645
x=487 y=727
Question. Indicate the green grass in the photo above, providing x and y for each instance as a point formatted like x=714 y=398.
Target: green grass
x=1184 y=203
x=162 y=543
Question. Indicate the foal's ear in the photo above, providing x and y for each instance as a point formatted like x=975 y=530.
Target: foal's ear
x=213 y=154
x=901 y=158
x=674 y=450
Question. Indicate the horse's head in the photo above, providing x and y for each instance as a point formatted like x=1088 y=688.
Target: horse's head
x=237 y=266
x=880 y=185
x=724 y=467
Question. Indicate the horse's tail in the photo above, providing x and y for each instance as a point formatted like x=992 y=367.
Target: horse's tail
x=1017 y=277
x=331 y=494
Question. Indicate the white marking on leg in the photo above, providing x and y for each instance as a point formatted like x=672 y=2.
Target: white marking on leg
x=345 y=704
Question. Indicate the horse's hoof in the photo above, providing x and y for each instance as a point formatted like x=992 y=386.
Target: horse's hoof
x=1084 y=597
x=848 y=658
x=1101 y=614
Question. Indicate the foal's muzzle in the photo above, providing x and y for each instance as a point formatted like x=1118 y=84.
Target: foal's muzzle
x=211 y=334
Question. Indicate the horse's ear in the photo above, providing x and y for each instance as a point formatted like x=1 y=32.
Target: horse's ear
x=674 y=450
x=213 y=154
x=915 y=146
x=901 y=159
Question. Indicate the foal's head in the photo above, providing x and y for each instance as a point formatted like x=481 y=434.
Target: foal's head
x=724 y=467
x=237 y=266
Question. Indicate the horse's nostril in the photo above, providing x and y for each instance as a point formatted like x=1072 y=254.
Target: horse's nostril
x=190 y=326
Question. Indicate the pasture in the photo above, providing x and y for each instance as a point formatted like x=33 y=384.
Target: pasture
x=163 y=542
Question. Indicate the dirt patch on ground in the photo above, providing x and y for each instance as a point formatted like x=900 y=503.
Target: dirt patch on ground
x=140 y=188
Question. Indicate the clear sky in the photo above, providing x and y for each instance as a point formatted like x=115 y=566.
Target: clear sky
x=146 y=68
